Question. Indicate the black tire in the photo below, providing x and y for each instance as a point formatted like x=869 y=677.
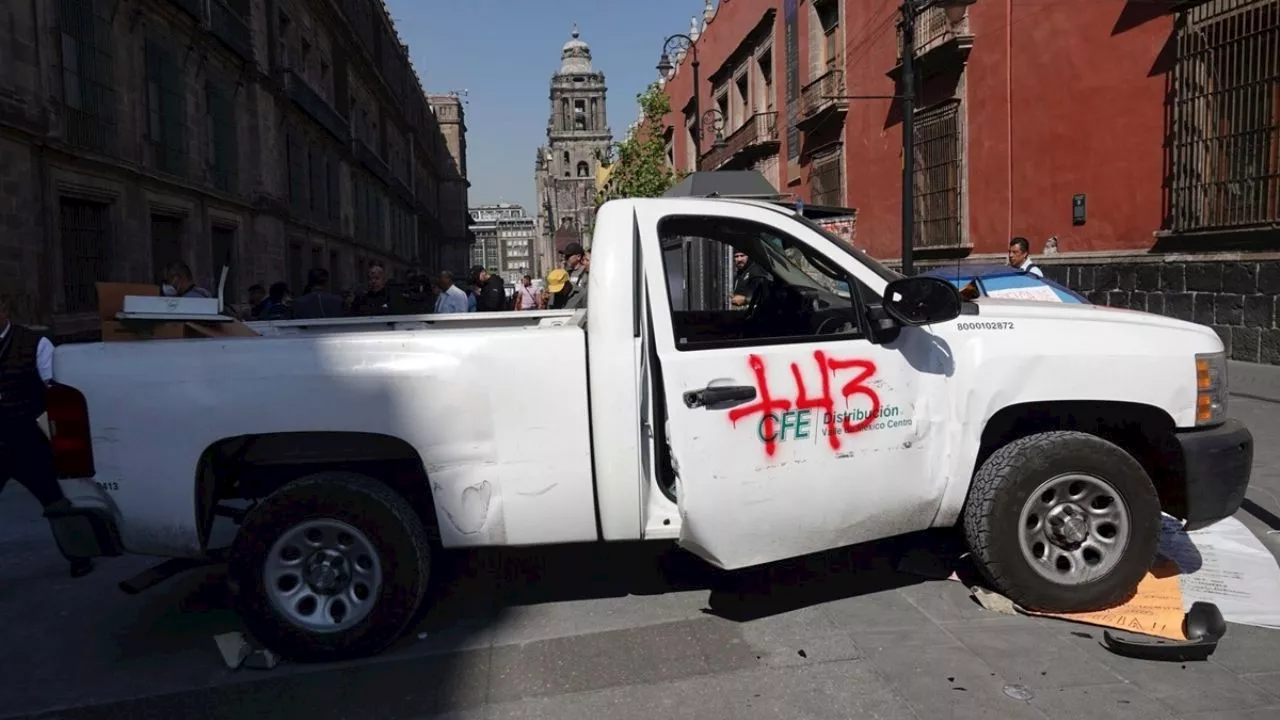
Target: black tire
x=1000 y=490
x=382 y=515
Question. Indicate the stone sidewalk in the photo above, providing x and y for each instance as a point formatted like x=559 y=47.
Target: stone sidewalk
x=1254 y=380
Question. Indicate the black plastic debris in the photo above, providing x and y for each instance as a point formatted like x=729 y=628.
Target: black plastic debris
x=1203 y=625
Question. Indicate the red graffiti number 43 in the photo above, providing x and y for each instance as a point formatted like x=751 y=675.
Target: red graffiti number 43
x=769 y=408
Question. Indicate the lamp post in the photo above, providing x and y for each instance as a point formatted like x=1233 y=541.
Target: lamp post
x=713 y=125
x=910 y=11
x=673 y=44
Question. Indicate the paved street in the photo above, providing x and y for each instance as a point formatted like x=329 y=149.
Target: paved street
x=618 y=632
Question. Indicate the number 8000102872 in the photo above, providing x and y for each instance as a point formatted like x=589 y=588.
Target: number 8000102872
x=985 y=325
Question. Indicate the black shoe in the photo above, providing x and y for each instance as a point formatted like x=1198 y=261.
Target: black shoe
x=81 y=567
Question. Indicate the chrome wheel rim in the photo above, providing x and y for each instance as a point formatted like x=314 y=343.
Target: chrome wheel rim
x=1074 y=528
x=323 y=575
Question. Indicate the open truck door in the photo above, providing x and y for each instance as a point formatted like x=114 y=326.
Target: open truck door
x=790 y=432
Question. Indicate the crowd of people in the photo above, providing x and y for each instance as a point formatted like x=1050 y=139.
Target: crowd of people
x=417 y=294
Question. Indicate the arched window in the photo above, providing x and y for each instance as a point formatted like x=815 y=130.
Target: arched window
x=567 y=163
x=584 y=170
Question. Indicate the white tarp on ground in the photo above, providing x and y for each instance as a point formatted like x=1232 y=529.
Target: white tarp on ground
x=1227 y=565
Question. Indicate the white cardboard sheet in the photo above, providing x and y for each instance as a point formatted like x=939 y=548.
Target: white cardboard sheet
x=1042 y=293
x=1227 y=565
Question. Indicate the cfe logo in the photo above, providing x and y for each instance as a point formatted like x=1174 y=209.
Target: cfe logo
x=803 y=425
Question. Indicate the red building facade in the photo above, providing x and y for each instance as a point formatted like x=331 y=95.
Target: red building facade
x=1143 y=136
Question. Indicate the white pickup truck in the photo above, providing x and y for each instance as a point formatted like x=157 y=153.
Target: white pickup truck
x=842 y=403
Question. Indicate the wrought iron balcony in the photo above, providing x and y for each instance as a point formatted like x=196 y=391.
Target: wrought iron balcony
x=937 y=28
x=310 y=102
x=757 y=136
x=229 y=22
x=822 y=98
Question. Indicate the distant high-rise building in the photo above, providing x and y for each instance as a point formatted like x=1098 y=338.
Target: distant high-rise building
x=578 y=137
x=504 y=240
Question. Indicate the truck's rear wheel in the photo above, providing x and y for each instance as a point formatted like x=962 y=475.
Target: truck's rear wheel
x=330 y=567
x=1062 y=522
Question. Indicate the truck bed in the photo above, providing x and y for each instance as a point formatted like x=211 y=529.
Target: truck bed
x=495 y=406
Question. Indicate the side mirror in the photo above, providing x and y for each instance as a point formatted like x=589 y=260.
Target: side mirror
x=921 y=300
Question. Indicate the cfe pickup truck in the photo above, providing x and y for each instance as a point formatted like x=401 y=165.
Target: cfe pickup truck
x=835 y=402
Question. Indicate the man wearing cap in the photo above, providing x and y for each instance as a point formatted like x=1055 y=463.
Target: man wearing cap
x=557 y=291
x=575 y=261
x=491 y=295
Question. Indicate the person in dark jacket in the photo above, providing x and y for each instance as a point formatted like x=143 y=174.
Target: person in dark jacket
x=493 y=294
x=379 y=298
x=279 y=303
x=318 y=302
x=26 y=370
x=418 y=293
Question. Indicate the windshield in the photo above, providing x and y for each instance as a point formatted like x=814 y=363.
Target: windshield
x=885 y=273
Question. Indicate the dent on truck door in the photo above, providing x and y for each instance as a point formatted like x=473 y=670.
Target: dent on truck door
x=791 y=433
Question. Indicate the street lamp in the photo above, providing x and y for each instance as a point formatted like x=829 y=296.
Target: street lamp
x=675 y=44
x=910 y=10
x=713 y=125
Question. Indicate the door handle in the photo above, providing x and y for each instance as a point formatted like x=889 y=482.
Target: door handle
x=722 y=396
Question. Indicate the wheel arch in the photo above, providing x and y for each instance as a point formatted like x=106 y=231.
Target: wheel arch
x=250 y=467
x=1144 y=431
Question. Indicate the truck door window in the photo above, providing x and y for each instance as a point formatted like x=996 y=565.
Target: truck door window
x=787 y=292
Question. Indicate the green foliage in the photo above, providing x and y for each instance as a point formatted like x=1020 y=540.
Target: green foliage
x=640 y=169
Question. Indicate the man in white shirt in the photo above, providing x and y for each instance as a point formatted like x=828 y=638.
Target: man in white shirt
x=1020 y=257
x=526 y=296
x=452 y=299
x=26 y=369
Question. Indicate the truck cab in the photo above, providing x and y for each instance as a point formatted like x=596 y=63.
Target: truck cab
x=809 y=399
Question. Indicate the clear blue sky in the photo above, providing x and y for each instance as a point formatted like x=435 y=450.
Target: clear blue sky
x=503 y=52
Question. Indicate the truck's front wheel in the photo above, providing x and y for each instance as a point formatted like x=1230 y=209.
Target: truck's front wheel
x=1062 y=522
x=330 y=567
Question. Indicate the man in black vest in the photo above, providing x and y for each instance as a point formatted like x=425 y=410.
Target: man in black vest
x=26 y=368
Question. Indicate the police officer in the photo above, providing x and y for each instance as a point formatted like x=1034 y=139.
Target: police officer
x=26 y=369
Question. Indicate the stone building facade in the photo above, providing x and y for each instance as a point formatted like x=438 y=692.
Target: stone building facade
x=578 y=138
x=271 y=136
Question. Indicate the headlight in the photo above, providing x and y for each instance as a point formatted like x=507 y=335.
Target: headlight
x=1211 y=388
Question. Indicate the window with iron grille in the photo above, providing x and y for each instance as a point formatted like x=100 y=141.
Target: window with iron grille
x=1224 y=145
x=86 y=248
x=88 y=85
x=166 y=243
x=296 y=159
x=826 y=175
x=166 y=108
x=938 y=150
x=335 y=195
x=220 y=117
x=319 y=183
x=359 y=219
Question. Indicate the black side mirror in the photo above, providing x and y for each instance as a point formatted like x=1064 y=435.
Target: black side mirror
x=922 y=300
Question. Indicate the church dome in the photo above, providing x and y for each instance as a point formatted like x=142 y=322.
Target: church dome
x=575 y=56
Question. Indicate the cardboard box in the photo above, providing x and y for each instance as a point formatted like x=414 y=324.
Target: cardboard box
x=152 y=305
x=111 y=297
x=111 y=301
x=125 y=330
